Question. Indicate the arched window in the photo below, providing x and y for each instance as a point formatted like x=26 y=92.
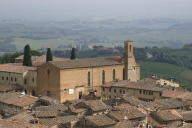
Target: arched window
x=89 y=79
x=103 y=77
x=114 y=74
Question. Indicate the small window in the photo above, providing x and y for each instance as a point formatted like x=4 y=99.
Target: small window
x=11 y=78
x=109 y=89
x=2 y=78
x=7 y=78
x=123 y=91
x=15 y=79
x=33 y=80
x=25 y=91
x=120 y=91
x=114 y=90
x=25 y=81
x=103 y=77
x=103 y=89
x=48 y=93
x=48 y=71
x=89 y=79
x=124 y=74
x=140 y=91
x=33 y=93
x=114 y=74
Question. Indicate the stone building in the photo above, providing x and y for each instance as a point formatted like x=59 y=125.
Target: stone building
x=71 y=79
x=146 y=89
x=16 y=74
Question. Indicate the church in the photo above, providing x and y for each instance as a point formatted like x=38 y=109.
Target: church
x=71 y=79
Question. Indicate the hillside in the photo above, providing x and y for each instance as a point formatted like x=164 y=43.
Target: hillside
x=182 y=75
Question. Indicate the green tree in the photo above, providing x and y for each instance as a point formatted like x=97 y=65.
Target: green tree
x=49 y=56
x=27 y=56
x=73 y=54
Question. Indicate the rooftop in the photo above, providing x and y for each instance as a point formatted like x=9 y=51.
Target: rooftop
x=53 y=107
x=57 y=121
x=179 y=94
x=100 y=120
x=170 y=103
x=126 y=124
x=45 y=114
x=84 y=63
x=187 y=115
x=24 y=116
x=15 y=124
x=17 y=99
x=145 y=84
x=15 y=68
x=139 y=103
x=168 y=115
x=96 y=105
x=126 y=110
x=49 y=100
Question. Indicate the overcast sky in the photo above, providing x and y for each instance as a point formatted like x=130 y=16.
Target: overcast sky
x=64 y=9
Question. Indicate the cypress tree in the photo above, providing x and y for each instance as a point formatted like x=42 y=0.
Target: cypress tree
x=73 y=54
x=27 y=56
x=49 y=56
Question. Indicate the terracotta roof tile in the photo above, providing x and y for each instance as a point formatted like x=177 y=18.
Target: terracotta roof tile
x=127 y=110
x=100 y=120
x=145 y=84
x=96 y=105
x=15 y=68
x=168 y=115
x=45 y=114
x=15 y=124
x=17 y=99
x=83 y=63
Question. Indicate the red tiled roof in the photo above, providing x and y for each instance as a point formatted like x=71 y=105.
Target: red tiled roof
x=145 y=84
x=15 y=68
x=15 y=124
x=100 y=120
x=17 y=99
x=179 y=94
x=84 y=63
x=168 y=115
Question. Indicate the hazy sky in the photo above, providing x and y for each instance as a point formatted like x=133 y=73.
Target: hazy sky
x=64 y=9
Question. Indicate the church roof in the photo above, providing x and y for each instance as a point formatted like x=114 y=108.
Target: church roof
x=84 y=63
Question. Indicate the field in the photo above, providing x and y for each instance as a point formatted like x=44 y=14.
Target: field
x=51 y=43
x=36 y=44
x=182 y=75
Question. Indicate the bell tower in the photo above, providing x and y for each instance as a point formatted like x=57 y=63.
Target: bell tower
x=132 y=70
